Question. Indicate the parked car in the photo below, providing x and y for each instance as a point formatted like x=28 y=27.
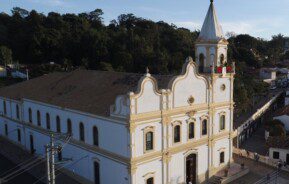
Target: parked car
x=273 y=87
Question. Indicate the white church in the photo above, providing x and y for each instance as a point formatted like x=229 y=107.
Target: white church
x=132 y=128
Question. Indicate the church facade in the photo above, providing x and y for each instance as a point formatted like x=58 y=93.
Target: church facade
x=131 y=128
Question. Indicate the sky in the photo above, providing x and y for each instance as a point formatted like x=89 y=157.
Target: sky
x=260 y=18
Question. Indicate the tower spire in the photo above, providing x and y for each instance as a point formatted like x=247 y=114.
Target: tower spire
x=211 y=46
x=211 y=29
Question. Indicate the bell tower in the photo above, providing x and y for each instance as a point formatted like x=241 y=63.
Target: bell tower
x=211 y=45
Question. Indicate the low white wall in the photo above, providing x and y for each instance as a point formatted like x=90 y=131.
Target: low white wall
x=282 y=153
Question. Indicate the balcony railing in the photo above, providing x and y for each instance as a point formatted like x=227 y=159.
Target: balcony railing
x=218 y=69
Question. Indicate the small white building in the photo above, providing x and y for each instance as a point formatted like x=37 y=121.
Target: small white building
x=132 y=128
x=279 y=154
x=279 y=147
x=268 y=74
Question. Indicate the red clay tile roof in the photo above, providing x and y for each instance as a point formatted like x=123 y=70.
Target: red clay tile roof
x=283 y=111
x=278 y=142
x=84 y=90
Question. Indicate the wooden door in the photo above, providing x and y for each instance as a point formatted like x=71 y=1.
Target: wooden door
x=191 y=169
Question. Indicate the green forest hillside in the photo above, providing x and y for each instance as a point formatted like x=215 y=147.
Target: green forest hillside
x=127 y=44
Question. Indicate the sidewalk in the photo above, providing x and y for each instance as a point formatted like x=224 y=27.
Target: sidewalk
x=257 y=171
x=17 y=155
x=256 y=143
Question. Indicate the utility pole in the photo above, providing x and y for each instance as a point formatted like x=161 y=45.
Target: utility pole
x=51 y=149
x=50 y=161
x=47 y=163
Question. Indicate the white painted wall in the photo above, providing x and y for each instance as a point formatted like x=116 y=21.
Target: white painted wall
x=139 y=138
x=116 y=142
x=282 y=153
x=189 y=85
x=219 y=94
x=113 y=137
x=148 y=99
x=83 y=168
x=153 y=169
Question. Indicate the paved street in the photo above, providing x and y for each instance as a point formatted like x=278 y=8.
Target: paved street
x=18 y=156
x=257 y=142
x=261 y=101
x=257 y=171
x=5 y=165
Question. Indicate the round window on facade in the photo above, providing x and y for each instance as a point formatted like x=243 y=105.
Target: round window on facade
x=191 y=100
x=223 y=87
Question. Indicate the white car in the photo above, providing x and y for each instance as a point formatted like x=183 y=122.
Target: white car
x=273 y=87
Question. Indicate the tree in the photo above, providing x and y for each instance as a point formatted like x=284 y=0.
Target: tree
x=20 y=11
x=5 y=55
x=276 y=128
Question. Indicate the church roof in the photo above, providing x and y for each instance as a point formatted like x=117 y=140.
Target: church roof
x=84 y=90
x=211 y=29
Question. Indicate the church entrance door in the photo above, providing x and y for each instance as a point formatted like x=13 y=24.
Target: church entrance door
x=191 y=169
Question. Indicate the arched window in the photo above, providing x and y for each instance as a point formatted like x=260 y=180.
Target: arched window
x=17 y=112
x=212 y=60
x=222 y=157
x=38 y=118
x=177 y=133
x=150 y=181
x=6 y=129
x=222 y=59
x=30 y=115
x=69 y=126
x=19 y=135
x=81 y=132
x=96 y=173
x=201 y=63
x=95 y=136
x=58 y=125
x=191 y=130
x=204 y=127
x=4 y=107
x=47 y=121
x=149 y=137
x=222 y=122
x=59 y=154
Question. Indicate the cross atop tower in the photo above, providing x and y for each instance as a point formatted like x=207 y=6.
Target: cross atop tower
x=212 y=1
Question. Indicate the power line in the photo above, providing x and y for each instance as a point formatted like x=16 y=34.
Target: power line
x=50 y=153
x=19 y=165
x=68 y=164
x=21 y=168
x=8 y=178
x=30 y=163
